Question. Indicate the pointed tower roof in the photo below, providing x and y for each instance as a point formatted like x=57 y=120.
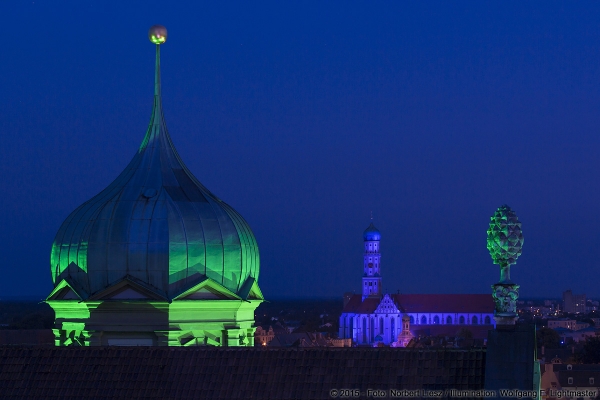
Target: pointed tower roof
x=156 y=224
x=372 y=233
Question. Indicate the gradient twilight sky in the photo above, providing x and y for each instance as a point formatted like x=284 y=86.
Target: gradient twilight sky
x=307 y=116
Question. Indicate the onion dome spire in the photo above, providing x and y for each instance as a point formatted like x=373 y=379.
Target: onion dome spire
x=371 y=233
x=157 y=35
x=157 y=225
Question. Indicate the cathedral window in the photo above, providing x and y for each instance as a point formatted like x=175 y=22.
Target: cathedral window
x=351 y=326
x=474 y=320
x=436 y=320
x=424 y=320
x=381 y=325
x=487 y=320
x=364 y=330
x=412 y=319
x=461 y=320
x=372 y=329
x=393 y=330
x=448 y=320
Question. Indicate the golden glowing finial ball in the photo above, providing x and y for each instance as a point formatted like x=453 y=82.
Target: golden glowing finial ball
x=157 y=34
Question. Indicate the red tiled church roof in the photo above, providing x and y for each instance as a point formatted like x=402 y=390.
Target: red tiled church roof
x=426 y=303
x=357 y=305
x=478 y=331
x=445 y=303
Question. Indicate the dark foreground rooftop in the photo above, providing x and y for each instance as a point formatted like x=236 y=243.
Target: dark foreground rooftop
x=29 y=337
x=229 y=373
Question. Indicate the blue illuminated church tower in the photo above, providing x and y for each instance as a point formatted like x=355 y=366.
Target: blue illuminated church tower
x=372 y=272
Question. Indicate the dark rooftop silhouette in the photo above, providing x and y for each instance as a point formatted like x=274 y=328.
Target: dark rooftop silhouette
x=228 y=373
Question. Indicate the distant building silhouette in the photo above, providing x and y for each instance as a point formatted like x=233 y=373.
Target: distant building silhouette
x=573 y=303
x=558 y=377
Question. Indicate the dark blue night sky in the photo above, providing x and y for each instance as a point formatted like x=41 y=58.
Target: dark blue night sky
x=305 y=117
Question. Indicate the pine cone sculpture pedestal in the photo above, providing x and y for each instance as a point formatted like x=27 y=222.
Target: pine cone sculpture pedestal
x=505 y=297
x=505 y=243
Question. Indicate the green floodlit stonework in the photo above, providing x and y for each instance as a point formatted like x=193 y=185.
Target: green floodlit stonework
x=155 y=259
x=205 y=315
x=180 y=323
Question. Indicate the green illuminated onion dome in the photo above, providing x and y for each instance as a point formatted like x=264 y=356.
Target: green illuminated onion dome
x=156 y=224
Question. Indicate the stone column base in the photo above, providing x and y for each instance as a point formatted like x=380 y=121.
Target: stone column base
x=505 y=296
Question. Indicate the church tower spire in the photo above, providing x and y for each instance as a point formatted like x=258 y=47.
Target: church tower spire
x=371 y=281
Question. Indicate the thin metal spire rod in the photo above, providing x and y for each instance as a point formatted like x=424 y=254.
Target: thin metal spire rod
x=157 y=72
x=157 y=93
x=157 y=35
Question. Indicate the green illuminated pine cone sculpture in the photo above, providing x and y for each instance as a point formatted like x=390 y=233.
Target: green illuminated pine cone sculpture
x=504 y=237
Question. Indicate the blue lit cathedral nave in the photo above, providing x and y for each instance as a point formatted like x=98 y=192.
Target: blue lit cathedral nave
x=373 y=318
